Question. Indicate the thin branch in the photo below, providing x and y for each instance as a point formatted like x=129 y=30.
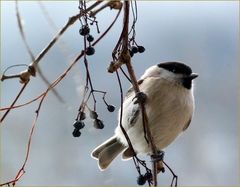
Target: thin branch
x=20 y=26
x=121 y=113
x=22 y=171
x=47 y=15
x=35 y=62
x=127 y=61
x=175 y=177
x=125 y=75
x=13 y=103
x=39 y=96
x=111 y=4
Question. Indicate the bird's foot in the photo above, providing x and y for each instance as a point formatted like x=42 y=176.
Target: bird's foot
x=140 y=97
x=158 y=157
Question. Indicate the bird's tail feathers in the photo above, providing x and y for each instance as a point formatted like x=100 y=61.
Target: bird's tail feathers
x=107 y=151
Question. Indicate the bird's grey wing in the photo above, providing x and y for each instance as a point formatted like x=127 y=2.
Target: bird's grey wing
x=134 y=115
x=187 y=124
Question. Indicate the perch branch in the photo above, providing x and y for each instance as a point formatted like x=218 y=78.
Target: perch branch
x=127 y=61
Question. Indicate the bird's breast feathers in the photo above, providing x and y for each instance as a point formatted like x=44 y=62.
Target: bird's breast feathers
x=169 y=108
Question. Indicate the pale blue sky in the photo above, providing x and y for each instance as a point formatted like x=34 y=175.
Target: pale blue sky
x=204 y=35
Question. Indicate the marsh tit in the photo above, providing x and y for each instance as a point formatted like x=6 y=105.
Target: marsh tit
x=169 y=104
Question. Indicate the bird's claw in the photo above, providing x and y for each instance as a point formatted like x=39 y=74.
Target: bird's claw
x=158 y=158
x=140 y=97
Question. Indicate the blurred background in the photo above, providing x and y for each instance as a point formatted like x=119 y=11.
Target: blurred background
x=204 y=35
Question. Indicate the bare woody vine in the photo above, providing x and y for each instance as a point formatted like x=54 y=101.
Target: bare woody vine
x=125 y=48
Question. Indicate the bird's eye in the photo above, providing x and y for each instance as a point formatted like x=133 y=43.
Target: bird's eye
x=173 y=70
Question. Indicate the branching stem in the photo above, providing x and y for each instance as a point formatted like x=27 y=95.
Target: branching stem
x=127 y=61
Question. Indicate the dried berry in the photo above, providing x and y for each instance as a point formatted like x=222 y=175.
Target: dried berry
x=93 y=115
x=78 y=125
x=84 y=30
x=90 y=51
x=90 y=38
x=82 y=116
x=98 y=124
x=76 y=133
x=111 y=108
x=141 y=180
x=141 y=49
x=134 y=49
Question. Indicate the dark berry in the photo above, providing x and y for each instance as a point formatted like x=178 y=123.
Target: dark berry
x=111 y=108
x=82 y=116
x=141 y=180
x=141 y=49
x=93 y=115
x=90 y=51
x=90 y=38
x=98 y=124
x=134 y=49
x=84 y=30
x=131 y=53
x=148 y=176
x=76 y=133
x=78 y=125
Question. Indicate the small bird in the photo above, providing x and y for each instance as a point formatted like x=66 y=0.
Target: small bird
x=169 y=103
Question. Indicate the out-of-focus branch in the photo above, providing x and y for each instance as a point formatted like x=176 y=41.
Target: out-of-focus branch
x=36 y=60
x=94 y=43
x=42 y=97
x=38 y=97
x=25 y=75
x=20 y=26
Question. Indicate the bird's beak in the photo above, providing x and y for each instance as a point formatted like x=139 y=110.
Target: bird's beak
x=193 y=76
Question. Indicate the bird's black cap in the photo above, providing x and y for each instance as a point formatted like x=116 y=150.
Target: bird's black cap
x=176 y=67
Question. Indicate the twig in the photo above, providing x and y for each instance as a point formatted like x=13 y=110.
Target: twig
x=111 y=4
x=22 y=170
x=127 y=61
x=125 y=75
x=42 y=96
x=13 y=103
x=175 y=177
x=39 y=96
x=20 y=26
x=121 y=113
x=47 y=16
x=46 y=49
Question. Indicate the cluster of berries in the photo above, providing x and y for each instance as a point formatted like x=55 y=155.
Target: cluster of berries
x=78 y=125
x=142 y=179
x=136 y=49
x=97 y=123
x=85 y=31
